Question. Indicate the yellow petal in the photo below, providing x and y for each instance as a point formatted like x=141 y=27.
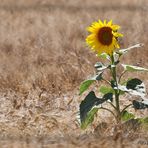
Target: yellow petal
x=95 y=25
x=90 y=29
x=96 y=44
x=110 y=23
x=115 y=27
x=105 y=22
x=100 y=22
x=116 y=34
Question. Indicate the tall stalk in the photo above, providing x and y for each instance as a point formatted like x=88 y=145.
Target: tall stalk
x=117 y=93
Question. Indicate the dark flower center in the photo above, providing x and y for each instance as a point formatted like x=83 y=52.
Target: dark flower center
x=105 y=35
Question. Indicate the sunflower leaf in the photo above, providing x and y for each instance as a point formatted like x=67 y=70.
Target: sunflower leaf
x=133 y=83
x=123 y=51
x=105 y=90
x=127 y=116
x=134 y=87
x=140 y=105
x=89 y=118
x=99 y=66
x=86 y=84
x=108 y=96
x=89 y=107
x=132 y=68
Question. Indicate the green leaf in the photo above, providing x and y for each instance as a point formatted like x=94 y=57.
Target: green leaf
x=86 y=84
x=89 y=118
x=125 y=81
x=108 y=96
x=99 y=66
x=86 y=109
x=133 y=84
x=105 y=90
x=139 y=105
x=137 y=87
x=134 y=87
x=87 y=104
x=127 y=116
x=89 y=107
x=123 y=51
x=132 y=68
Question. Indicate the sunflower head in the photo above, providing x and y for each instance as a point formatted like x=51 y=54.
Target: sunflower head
x=103 y=37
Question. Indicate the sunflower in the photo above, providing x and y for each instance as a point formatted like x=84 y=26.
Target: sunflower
x=103 y=37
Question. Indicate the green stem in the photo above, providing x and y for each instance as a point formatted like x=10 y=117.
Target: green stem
x=125 y=108
x=112 y=105
x=108 y=82
x=121 y=75
x=114 y=75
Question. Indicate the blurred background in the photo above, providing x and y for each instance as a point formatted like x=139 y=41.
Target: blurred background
x=42 y=42
x=44 y=58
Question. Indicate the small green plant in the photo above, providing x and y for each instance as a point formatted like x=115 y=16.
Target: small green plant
x=104 y=40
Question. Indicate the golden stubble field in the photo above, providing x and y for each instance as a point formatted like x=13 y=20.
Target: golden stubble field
x=43 y=59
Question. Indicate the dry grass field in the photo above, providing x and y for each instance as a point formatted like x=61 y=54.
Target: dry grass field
x=44 y=58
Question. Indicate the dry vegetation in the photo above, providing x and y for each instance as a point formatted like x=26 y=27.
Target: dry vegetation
x=43 y=60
